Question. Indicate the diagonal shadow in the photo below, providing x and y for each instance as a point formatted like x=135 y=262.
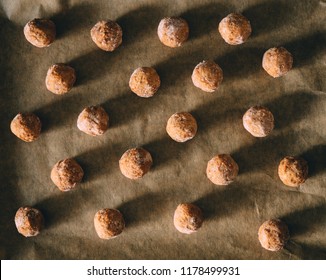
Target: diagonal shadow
x=207 y=119
x=291 y=108
x=269 y=16
x=306 y=49
x=138 y=23
x=128 y=107
x=301 y=223
x=58 y=113
x=212 y=13
x=315 y=157
x=72 y=19
x=61 y=207
x=143 y=209
x=265 y=154
x=314 y=252
x=158 y=149
x=311 y=219
x=93 y=169
x=241 y=63
x=223 y=201
x=182 y=65
x=303 y=251
x=94 y=65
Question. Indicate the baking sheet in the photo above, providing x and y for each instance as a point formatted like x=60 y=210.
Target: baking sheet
x=234 y=213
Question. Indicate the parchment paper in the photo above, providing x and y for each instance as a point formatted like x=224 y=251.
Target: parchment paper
x=233 y=213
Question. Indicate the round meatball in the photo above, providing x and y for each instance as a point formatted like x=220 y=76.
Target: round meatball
x=222 y=169
x=135 y=163
x=273 y=235
x=188 y=218
x=60 y=78
x=277 y=62
x=144 y=81
x=258 y=121
x=29 y=221
x=173 y=31
x=235 y=29
x=207 y=76
x=40 y=32
x=26 y=126
x=181 y=127
x=93 y=120
x=107 y=35
x=66 y=174
x=108 y=223
x=293 y=171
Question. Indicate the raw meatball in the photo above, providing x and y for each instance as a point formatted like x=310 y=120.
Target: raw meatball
x=258 y=121
x=107 y=35
x=108 y=223
x=173 y=31
x=181 y=127
x=222 y=169
x=235 y=29
x=188 y=218
x=93 y=120
x=273 y=235
x=60 y=78
x=40 y=32
x=135 y=163
x=144 y=81
x=207 y=76
x=66 y=174
x=293 y=171
x=277 y=61
x=26 y=127
x=29 y=221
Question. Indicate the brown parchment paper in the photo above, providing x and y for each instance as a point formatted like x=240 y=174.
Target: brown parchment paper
x=234 y=213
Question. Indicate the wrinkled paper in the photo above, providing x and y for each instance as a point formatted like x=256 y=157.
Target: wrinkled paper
x=233 y=213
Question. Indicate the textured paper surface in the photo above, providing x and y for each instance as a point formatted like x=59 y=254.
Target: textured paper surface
x=234 y=213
